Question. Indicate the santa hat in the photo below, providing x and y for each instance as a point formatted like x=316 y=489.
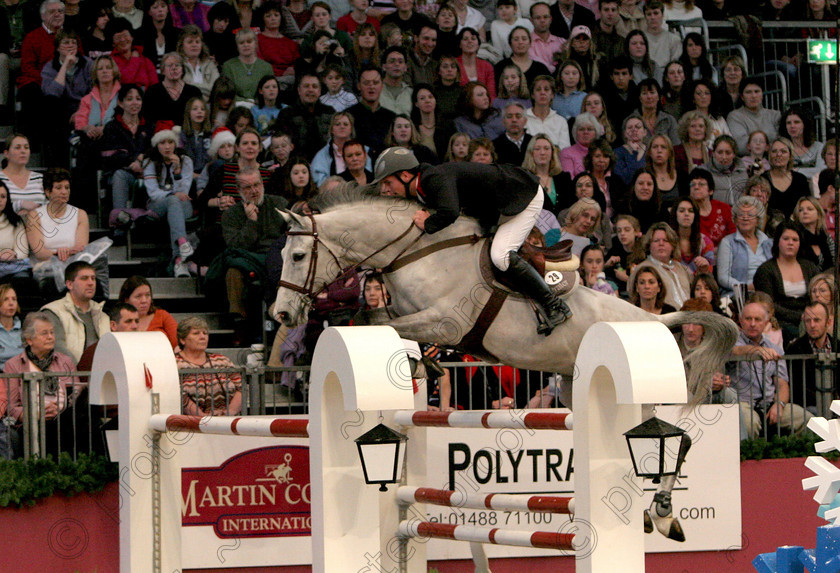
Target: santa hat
x=220 y=137
x=166 y=131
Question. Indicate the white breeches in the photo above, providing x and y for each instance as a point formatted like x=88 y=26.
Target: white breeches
x=513 y=231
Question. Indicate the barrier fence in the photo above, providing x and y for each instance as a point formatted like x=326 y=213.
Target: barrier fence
x=474 y=386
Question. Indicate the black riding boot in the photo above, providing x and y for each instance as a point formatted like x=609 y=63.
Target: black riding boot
x=528 y=281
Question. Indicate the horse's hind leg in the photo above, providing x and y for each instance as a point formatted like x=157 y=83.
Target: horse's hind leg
x=373 y=317
x=428 y=326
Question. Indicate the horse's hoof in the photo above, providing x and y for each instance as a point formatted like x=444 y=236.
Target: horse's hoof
x=670 y=528
x=648 y=522
x=418 y=369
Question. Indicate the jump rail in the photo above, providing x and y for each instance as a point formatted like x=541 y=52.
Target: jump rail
x=485 y=419
x=489 y=535
x=231 y=426
x=497 y=501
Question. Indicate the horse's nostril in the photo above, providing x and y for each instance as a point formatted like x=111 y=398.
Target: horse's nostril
x=284 y=316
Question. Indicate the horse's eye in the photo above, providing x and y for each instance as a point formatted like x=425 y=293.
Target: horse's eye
x=298 y=257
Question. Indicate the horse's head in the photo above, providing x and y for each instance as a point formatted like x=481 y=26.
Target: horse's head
x=308 y=266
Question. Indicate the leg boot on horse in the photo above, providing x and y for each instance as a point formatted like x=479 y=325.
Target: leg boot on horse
x=528 y=281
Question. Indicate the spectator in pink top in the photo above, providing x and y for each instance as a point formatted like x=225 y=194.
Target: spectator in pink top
x=189 y=12
x=587 y=129
x=473 y=68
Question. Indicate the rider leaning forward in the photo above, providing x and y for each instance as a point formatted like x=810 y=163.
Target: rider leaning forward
x=502 y=195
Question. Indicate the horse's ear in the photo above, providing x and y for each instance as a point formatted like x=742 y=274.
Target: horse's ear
x=291 y=219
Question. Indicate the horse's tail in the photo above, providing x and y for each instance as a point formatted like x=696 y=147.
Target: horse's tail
x=709 y=357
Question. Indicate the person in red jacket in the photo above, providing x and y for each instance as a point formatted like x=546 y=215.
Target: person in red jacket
x=134 y=68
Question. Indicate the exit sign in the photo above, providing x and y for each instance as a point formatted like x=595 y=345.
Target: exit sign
x=822 y=51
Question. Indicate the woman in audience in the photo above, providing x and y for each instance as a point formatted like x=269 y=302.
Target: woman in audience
x=599 y=162
x=512 y=87
x=704 y=287
x=715 y=216
x=586 y=130
x=540 y=118
x=797 y=125
x=520 y=42
x=14 y=248
x=275 y=48
x=196 y=134
x=298 y=19
x=581 y=49
x=321 y=52
x=239 y=118
x=137 y=291
x=636 y=46
x=447 y=24
x=134 y=67
x=166 y=101
x=199 y=69
x=656 y=121
x=469 y=17
x=473 y=68
x=817 y=245
x=95 y=40
x=643 y=200
x=10 y=327
x=221 y=101
x=695 y=60
x=247 y=69
x=97 y=108
x=728 y=93
x=661 y=161
x=25 y=187
x=785 y=278
x=433 y=131
x=661 y=245
x=820 y=289
x=219 y=36
x=702 y=100
x=205 y=394
x=299 y=185
x=482 y=150
x=729 y=174
x=355 y=158
x=221 y=192
x=580 y=223
x=786 y=185
x=321 y=22
x=693 y=130
x=571 y=87
x=448 y=90
x=631 y=156
x=673 y=88
x=365 y=50
x=594 y=104
x=759 y=188
x=457 y=148
x=329 y=159
x=698 y=251
x=403 y=133
x=742 y=252
x=648 y=292
x=477 y=118
x=157 y=34
x=542 y=159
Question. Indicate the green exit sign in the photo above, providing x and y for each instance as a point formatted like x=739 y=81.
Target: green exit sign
x=822 y=51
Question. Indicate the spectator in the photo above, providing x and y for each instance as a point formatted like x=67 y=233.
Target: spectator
x=628 y=236
x=693 y=129
x=797 y=125
x=674 y=87
x=357 y=15
x=243 y=14
x=662 y=163
x=478 y=118
x=308 y=119
x=752 y=116
x=702 y=100
x=124 y=318
x=698 y=252
x=649 y=107
x=715 y=216
x=817 y=245
x=511 y=145
x=599 y=162
x=221 y=101
x=25 y=187
x=357 y=163
x=605 y=35
x=41 y=355
x=631 y=18
x=406 y=18
x=403 y=133
x=137 y=291
x=818 y=321
x=396 y=94
x=37 y=51
x=570 y=93
x=592 y=270
x=448 y=86
x=422 y=63
x=662 y=247
x=742 y=252
x=250 y=227
x=366 y=47
x=643 y=200
x=821 y=289
x=705 y=287
x=473 y=68
x=584 y=187
x=542 y=159
x=126 y=10
x=272 y=46
x=77 y=318
x=299 y=185
x=11 y=342
x=544 y=44
x=190 y=13
x=762 y=384
x=786 y=185
x=195 y=138
x=166 y=101
x=581 y=49
x=513 y=87
x=199 y=69
x=134 y=68
x=579 y=224
x=755 y=162
x=520 y=43
x=481 y=150
x=219 y=36
x=785 y=278
x=98 y=106
x=648 y=292
x=239 y=118
x=337 y=96
x=433 y=129
x=447 y=28
x=14 y=248
x=458 y=148
x=246 y=69
x=636 y=46
x=630 y=157
x=586 y=130
x=729 y=174
x=828 y=198
x=157 y=34
x=211 y=393
x=685 y=10
x=620 y=93
x=695 y=60
x=373 y=120
x=759 y=188
x=664 y=46
x=502 y=27
x=542 y=119
x=567 y=16
x=468 y=17
x=321 y=22
x=329 y=160
x=728 y=93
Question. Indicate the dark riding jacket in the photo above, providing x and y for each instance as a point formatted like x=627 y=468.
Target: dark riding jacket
x=481 y=191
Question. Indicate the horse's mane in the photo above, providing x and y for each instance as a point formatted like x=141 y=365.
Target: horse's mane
x=350 y=194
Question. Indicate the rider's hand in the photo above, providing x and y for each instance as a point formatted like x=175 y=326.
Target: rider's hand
x=420 y=219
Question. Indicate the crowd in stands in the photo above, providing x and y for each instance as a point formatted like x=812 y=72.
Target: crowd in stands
x=676 y=185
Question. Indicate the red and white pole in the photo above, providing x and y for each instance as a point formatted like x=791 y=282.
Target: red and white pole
x=511 y=419
x=231 y=425
x=492 y=535
x=497 y=501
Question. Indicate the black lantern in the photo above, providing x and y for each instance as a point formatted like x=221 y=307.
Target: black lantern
x=657 y=448
x=382 y=451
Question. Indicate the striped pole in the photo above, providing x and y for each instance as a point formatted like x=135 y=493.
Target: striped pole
x=493 y=535
x=497 y=501
x=231 y=425
x=486 y=419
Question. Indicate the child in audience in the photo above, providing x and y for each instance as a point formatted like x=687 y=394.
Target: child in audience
x=482 y=150
x=756 y=162
x=221 y=101
x=221 y=150
x=195 y=135
x=337 y=96
x=513 y=87
x=459 y=146
x=299 y=184
x=267 y=108
x=619 y=259
x=592 y=270
x=501 y=28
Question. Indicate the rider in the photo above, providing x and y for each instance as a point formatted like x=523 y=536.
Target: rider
x=502 y=195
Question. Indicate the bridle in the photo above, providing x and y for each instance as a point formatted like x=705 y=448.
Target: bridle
x=308 y=287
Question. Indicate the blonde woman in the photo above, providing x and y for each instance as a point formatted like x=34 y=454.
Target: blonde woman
x=693 y=130
x=817 y=245
x=543 y=160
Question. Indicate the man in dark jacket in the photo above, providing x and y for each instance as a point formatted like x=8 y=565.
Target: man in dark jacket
x=308 y=119
x=502 y=195
x=804 y=389
x=512 y=144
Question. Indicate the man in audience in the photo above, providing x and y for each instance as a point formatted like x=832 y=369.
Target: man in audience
x=249 y=228
x=619 y=89
x=372 y=119
x=753 y=116
x=663 y=45
x=396 y=93
x=37 y=50
x=77 y=318
x=308 y=119
x=816 y=398
x=605 y=35
x=406 y=17
x=567 y=15
x=544 y=44
x=422 y=67
x=124 y=318
x=512 y=144
x=762 y=383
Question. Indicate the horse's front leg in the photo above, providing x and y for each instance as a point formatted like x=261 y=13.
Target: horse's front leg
x=661 y=512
